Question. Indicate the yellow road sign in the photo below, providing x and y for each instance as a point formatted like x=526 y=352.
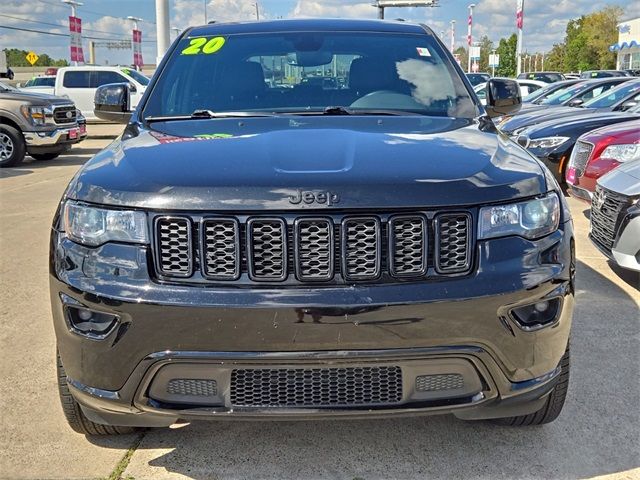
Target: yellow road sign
x=32 y=57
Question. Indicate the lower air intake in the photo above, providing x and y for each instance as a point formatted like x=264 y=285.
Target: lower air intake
x=316 y=387
x=436 y=383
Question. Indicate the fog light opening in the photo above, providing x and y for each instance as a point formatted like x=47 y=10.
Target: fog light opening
x=537 y=315
x=90 y=323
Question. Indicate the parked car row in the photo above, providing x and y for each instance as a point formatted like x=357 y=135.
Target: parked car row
x=587 y=132
x=80 y=84
x=42 y=126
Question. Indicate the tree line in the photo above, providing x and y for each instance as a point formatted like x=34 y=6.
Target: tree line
x=18 y=58
x=585 y=46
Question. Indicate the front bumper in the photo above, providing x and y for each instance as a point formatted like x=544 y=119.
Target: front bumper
x=61 y=136
x=461 y=322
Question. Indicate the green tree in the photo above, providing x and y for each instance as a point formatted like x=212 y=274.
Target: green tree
x=507 y=51
x=601 y=31
x=17 y=58
x=554 y=60
x=463 y=55
x=486 y=47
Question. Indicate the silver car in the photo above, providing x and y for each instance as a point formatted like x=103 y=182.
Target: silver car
x=615 y=215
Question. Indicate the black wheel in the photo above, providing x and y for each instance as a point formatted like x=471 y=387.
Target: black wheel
x=552 y=407
x=76 y=419
x=44 y=156
x=12 y=147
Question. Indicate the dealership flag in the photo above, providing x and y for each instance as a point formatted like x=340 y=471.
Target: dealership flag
x=75 y=33
x=520 y=14
x=469 y=30
x=137 y=48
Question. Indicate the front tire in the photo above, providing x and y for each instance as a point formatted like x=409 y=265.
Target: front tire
x=12 y=146
x=74 y=415
x=551 y=408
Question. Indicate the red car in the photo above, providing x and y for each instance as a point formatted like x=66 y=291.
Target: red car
x=51 y=71
x=598 y=152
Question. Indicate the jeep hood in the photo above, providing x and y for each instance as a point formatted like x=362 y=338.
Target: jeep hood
x=258 y=163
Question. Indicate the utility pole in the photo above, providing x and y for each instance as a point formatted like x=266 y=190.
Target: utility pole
x=453 y=34
x=73 y=4
x=470 y=36
x=162 y=28
x=257 y=12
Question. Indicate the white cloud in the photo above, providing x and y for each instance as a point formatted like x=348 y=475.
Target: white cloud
x=334 y=9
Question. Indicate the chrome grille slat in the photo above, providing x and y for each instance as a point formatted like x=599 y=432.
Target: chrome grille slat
x=408 y=245
x=580 y=156
x=314 y=249
x=173 y=243
x=604 y=216
x=453 y=242
x=267 y=249
x=316 y=387
x=361 y=248
x=220 y=248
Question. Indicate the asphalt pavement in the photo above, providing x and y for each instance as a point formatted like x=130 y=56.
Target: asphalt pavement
x=597 y=434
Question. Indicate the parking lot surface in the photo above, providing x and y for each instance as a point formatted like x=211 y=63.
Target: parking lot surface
x=597 y=434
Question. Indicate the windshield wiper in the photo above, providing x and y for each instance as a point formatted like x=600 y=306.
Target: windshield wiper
x=206 y=114
x=340 y=110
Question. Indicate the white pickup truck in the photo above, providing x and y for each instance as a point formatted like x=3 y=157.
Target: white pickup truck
x=80 y=84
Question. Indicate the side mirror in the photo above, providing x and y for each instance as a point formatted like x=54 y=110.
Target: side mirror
x=132 y=87
x=112 y=102
x=503 y=97
x=576 y=102
x=627 y=105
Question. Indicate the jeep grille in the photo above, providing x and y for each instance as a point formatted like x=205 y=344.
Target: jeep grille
x=295 y=249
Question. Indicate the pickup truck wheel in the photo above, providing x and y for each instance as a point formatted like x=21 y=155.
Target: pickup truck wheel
x=44 y=156
x=73 y=413
x=552 y=407
x=12 y=146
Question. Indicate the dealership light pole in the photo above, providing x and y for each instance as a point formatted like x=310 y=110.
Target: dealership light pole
x=519 y=24
x=73 y=14
x=469 y=36
x=162 y=28
x=453 y=34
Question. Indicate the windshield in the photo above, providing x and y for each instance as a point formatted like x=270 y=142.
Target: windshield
x=543 y=93
x=293 y=72
x=477 y=78
x=613 y=96
x=137 y=76
x=564 y=95
x=41 y=82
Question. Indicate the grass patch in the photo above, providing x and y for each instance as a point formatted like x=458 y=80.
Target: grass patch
x=122 y=465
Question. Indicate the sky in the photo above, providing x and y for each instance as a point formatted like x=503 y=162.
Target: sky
x=105 y=19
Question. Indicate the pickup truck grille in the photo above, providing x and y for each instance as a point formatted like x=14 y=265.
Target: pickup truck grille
x=605 y=211
x=64 y=114
x=337 y=249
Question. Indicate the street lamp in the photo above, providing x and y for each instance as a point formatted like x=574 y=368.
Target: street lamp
x=469 y=36
x=73 y=4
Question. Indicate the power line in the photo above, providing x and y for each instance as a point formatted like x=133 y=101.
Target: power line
x=91 y=12
x=57 y=34
x=55 y=24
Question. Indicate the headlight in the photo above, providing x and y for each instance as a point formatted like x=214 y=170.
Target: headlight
x=95 y=226
x=622 y=153
x=531 y=219
x=546 y=142
x=36 y=115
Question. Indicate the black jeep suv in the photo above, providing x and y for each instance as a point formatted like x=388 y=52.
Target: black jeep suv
x=260 y=245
